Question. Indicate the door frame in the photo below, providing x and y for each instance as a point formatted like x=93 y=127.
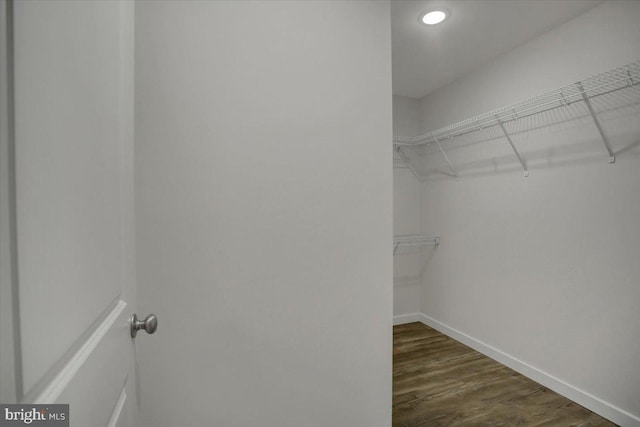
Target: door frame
x=10 y=358
x=52 y=384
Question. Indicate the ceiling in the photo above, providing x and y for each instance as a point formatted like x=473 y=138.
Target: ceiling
x=426 y=58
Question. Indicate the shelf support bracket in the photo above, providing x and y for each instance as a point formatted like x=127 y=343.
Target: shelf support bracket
x=612 y=156
x=406 y=161
x=445 y=157
x=513 y=147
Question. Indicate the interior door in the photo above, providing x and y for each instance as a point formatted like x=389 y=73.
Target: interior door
x=68 y=282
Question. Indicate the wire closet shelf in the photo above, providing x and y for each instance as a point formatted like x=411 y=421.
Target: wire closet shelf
x=417 y=241
x=582 y=91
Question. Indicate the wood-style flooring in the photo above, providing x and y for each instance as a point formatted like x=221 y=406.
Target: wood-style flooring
x=438 y=381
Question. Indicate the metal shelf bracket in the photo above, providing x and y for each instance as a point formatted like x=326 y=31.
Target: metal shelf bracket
x=406 y=161
x=395 y=247
x=513 y=147
x=612 y=156
x=445 y=157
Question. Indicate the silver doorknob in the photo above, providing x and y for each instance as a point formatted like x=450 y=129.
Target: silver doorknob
x=149 y=324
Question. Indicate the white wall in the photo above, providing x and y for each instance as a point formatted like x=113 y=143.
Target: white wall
x=407 y=267
x=545 y=268
x=264 y=212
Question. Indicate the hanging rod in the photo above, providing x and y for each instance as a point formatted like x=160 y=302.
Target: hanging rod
x=592 y=87
x=404 y=240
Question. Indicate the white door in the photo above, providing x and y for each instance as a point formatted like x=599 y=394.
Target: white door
x=68 y=286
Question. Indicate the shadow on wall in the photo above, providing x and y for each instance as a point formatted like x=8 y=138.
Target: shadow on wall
x=556 y=157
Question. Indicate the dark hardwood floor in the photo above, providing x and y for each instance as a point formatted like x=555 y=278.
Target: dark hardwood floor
x=438 y=381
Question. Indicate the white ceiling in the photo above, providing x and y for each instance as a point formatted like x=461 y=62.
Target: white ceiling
x=425 y=58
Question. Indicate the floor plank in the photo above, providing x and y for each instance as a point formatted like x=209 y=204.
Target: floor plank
x=438 y=381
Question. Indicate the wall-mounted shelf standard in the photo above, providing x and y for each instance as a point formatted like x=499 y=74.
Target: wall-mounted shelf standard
x=619 y=79
x=414 y=241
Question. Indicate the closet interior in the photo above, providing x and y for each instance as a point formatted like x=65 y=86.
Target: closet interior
x=517 y=206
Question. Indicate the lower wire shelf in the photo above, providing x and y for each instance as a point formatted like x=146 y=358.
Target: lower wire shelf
x=414 y=241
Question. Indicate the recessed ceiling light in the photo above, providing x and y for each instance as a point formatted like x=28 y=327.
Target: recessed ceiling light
x=434 y=17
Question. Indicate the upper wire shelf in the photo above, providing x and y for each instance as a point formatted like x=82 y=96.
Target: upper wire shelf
x=582 y=91
x=414 y=240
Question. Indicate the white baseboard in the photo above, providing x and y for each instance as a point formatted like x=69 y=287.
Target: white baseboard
x=401 y=319
x=589 y=401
